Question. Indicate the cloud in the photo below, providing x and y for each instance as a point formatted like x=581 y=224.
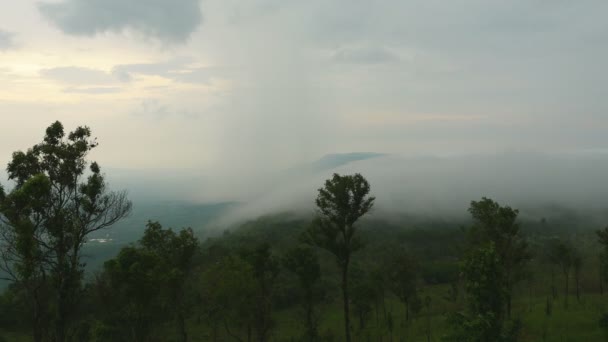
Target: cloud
x=181 y=69
x=78 y=76
x=170 y=21
x=157 y=110
x=365 y=55
x=443 y=187
x=93 y=90
x=7 y=40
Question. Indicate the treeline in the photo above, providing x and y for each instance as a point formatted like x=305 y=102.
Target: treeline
x=169 y=286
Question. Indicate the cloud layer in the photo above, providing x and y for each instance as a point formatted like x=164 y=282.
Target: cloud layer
x=169 y=21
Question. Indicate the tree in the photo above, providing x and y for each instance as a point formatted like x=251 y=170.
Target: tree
x=486 y=296
x=341 y=203
x=265 y=271
x=129 y=295
x=548 y=260
x=229 y=293
x=175 y=253
x=403 y=279
x=498 y=225
x=304 y=263
x=565 y=257
x=146 y=284
x=363 y=295
x=46 y=218
x=577 y=263
x=427 y=306
x=602 y=236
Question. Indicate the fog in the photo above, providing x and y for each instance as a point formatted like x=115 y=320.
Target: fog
x=421 y=186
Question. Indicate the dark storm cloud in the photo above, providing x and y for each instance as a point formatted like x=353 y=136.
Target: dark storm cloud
x=171 y=21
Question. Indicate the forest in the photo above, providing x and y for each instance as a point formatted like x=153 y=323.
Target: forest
x=338 y=275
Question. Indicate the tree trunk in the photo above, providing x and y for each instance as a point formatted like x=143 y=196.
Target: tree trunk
x=384 y=305
x=428 y=327
x=346 y=303
x=38 y=332
x=377 y=309
x=361 y=320
x=553 y=289
x=310 y=325
x=181 y=327
x=38 y=320
x=601 y=276
x=509 y=305
x=567 y=290
x=578 y=293
x=60 y=323
x=214 y=331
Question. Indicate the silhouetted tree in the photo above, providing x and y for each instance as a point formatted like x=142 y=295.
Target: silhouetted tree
x=341 y=203
x=46 y=219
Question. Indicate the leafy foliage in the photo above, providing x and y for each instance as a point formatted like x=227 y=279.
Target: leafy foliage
x=46 y=219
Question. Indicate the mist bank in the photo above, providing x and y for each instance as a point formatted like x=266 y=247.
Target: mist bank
x=539 y=184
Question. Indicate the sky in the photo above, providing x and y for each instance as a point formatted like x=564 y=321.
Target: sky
x=227 y=87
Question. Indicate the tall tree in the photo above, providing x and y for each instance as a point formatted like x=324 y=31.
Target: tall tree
x=304 y=263
x=54 y=205
x=498 y=225
x=341 y=203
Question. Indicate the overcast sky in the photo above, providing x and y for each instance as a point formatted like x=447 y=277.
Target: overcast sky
x=221 y=85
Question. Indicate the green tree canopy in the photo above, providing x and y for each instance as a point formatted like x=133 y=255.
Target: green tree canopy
x=58 y=199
